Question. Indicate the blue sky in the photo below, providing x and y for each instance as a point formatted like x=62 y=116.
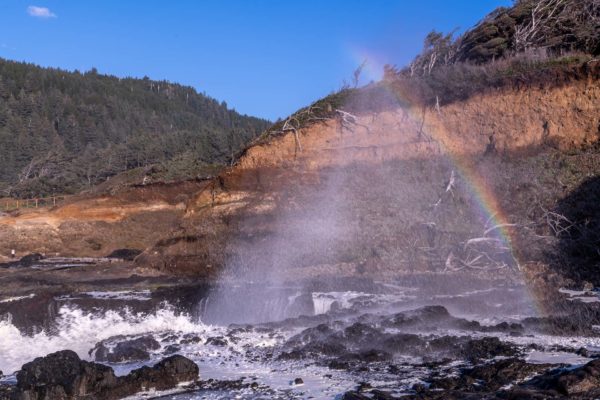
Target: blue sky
x=263 y=57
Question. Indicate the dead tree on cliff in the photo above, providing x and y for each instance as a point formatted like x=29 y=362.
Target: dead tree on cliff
x=559 y=24
x=299 y=120
x=543 y=15
x=349 y=121
x=289 y=126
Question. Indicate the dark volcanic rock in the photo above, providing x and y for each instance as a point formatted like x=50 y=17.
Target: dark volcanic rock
x=164 y=375
x=32 y=313
x=470 y=349
x=354 y=396
x=25 y=261
x=503 y=372
x=63 y=376
x=219 y=341
x=125 y=254
x=368 y=341
x=30 y=259
x=486 y=382
x=405 y=343
x=172 y=349
x=127 y=350
x=429 y=318
x=571 y=382
x=485 y=348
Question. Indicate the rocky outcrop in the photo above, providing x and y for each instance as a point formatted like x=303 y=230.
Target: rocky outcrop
x=64 y=376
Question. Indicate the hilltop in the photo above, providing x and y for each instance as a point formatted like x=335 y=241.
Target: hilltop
x=61 y=131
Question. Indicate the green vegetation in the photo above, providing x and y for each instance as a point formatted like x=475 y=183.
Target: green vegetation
x=61 y=132
x=534 y=42
x=536 y=27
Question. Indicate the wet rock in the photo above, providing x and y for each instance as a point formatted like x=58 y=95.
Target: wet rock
x=127 y=350
x=219 y=341
x=298 y=381
x=63 y=375
x=470 y=349
x=420 y=316
x=489 y=377
x=354 y=396
x=172 y=349
x=166 y=374
x=320 y=340
x=486 y=348
x=302 y=305
x=570 y=382
x=404 y=343
x=562 y=325
x=368 y=356
x=381 y=395
x=502 y=372
x=190 y=339
x=30 y=259
x=292 y=355
x=338 y=364
x=359 y=335
x=32 y=313
x=125 y=254
x=588 y=353
x=505 y=327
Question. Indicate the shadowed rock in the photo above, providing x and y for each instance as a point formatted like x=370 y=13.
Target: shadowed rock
x=125 y=254
x=64 y=376
x=128 y=350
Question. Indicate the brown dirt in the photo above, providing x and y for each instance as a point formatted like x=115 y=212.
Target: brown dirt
x=391 y=166
x=85 y=225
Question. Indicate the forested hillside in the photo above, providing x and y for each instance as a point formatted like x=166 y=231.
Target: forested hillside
x=62 y=131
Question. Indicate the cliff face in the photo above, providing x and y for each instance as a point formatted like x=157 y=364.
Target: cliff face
x=96 y=225
x=519 y=120
x=347 y=196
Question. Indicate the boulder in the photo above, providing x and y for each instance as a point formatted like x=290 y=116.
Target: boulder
x=166 y=374
x=64 y=376
x=219 y=341
x=125 y=351
x=30 y=259
x=572 y=382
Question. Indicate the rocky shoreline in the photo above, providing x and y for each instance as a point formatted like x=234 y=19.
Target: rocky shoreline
x=356 y=338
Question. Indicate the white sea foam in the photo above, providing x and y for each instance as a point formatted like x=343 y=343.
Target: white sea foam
x=140 y=295
x=323 y=301
x=80 y=331
x=17 y=298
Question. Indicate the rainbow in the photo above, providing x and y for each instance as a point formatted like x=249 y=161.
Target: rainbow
x=497 y=222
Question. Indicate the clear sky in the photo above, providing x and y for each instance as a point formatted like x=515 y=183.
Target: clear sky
x=263 y=57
